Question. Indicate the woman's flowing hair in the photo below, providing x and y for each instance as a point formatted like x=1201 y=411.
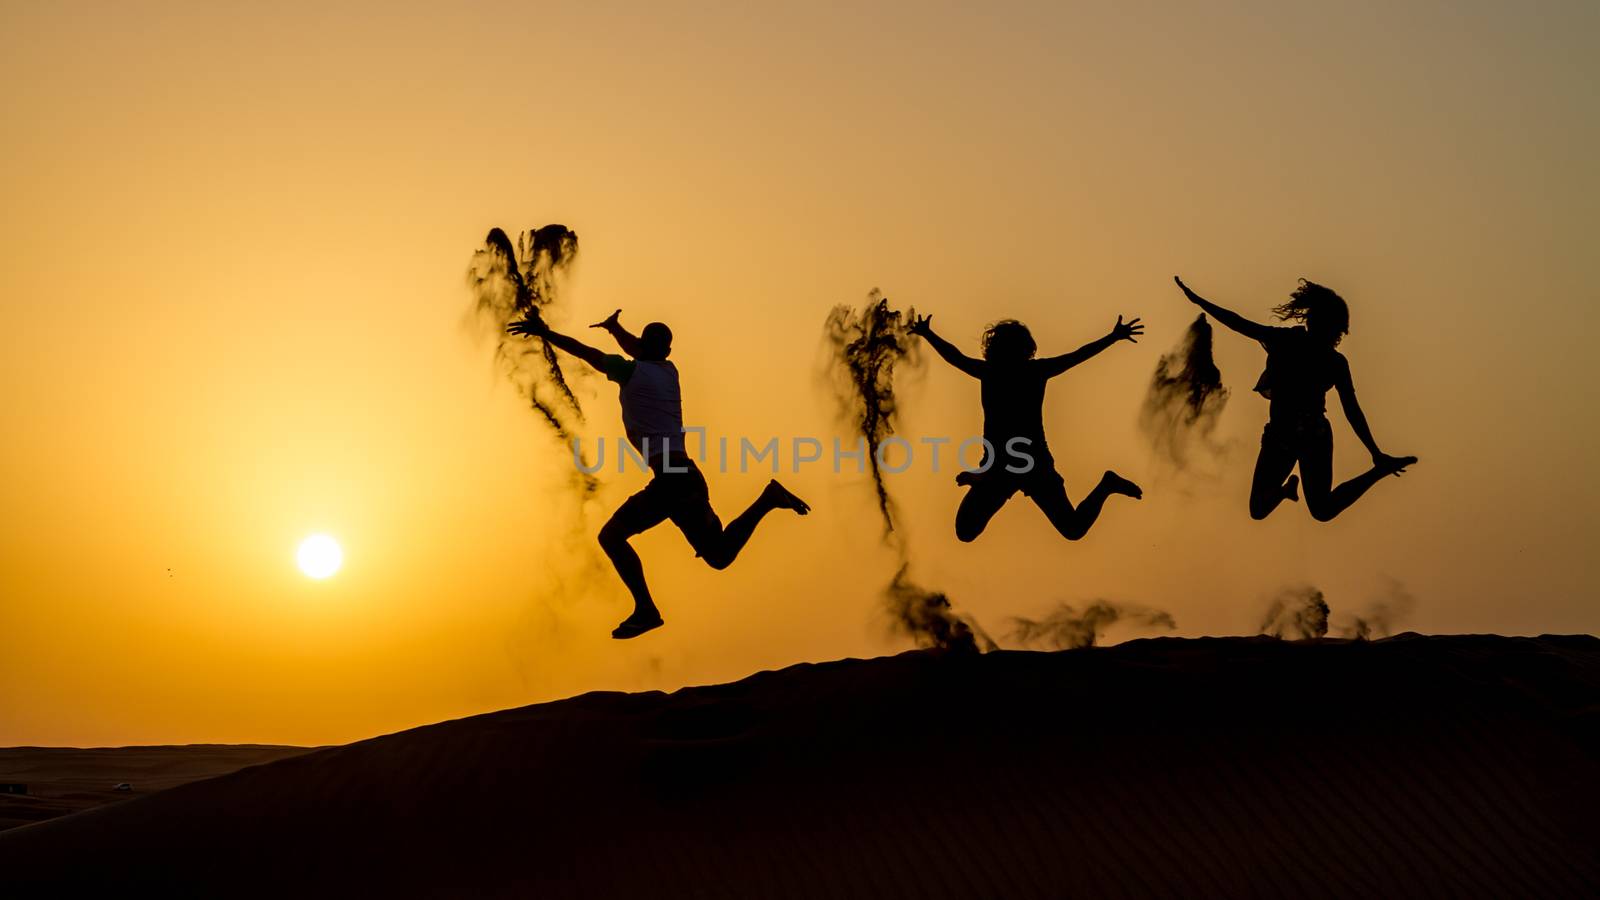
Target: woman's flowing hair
x=1313 y=301
x=1010 y=339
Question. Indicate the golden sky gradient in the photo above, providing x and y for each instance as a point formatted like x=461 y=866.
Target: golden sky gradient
x=233 y=315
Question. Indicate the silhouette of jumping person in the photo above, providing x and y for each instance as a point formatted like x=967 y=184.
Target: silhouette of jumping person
x=1302 y=366
x=652 y=417
x=1012 y=387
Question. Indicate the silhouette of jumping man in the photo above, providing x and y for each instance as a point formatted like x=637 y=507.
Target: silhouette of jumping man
x=1302 y=366
x=652 y=416
x=1012 y=387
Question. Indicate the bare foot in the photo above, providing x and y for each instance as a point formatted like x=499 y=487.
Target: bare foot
x=1116 y=484
x=1393 y=465
x=635 y=625
x=780 y=498
x=1291 y=489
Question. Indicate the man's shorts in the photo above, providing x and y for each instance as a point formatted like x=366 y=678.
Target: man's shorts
x=1041 y=479
x=677 y=493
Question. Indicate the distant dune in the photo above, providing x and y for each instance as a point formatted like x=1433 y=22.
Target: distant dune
x=62 y=780
x=1413 y=766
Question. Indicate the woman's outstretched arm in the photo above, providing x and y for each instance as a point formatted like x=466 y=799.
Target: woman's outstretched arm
x=1253 y=330
x=1122 y=331
x=1358 y=420
x=923 y=326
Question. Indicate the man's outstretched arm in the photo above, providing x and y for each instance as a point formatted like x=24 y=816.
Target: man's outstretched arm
x=533 y=326
x=627 y=340
x=1122 y=331
x=923 y=326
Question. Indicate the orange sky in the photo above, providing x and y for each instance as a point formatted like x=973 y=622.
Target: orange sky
x=233 y=315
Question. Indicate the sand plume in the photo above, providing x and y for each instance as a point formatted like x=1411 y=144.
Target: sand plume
x=515 y=281
x=1297 y=613
x=1380 y=617
x=866 y=347
x=1067 y=628
x=1185 y=399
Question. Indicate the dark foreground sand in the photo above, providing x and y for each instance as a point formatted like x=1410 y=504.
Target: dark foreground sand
x=1414 y=766
x=62 y=780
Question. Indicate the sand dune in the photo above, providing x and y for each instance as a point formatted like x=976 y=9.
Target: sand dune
x=1418 y=766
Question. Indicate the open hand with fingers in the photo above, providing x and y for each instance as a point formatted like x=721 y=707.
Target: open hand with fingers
x=921 y=326
x=611 y=321
x=1127 y=331
x=530 y=325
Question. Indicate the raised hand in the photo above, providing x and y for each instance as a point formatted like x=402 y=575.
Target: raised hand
x=610 y=321
x=1193 y=297
x=922 y=326
x=1127 y=331
x=531 y=325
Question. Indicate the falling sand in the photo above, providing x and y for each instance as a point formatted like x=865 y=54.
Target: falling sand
x=512 y=282
x=865 y=349
x=867 y=346
x=1185 y=399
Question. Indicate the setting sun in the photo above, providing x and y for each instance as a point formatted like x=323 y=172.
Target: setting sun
x=319 y=556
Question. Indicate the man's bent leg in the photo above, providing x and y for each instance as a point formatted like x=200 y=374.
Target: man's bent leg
x=719 y=546
x=638 y=513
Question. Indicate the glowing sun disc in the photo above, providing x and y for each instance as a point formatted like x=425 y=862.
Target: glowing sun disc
x=319 y=556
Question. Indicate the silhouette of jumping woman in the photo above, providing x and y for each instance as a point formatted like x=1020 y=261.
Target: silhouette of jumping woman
x=1302 y=366
x=652 y=417
x=1012 y=387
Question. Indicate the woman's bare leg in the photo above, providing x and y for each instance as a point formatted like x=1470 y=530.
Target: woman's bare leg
x=1074 y=523
x=1272 y=483
x=983 y=500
